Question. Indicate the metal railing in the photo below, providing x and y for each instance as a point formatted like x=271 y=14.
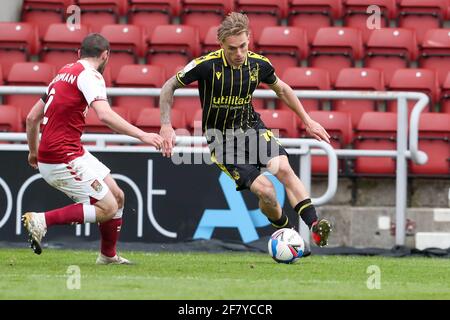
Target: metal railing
x=304 y=147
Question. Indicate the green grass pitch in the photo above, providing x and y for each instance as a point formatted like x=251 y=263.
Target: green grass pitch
x=24 y=275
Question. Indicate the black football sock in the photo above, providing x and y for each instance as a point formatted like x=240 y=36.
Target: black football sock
x=283 y=222
x=307 y=212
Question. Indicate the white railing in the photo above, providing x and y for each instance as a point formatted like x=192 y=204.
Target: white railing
x=304 y=147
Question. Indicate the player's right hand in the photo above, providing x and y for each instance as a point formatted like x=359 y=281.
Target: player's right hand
x=32 y=160
x=168 y=135
x=153 y=139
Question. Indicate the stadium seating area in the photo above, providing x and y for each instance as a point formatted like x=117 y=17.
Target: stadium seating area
x=313 y=44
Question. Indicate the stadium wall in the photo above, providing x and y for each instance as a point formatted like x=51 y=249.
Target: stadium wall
x=172 y=203
x=164 y=202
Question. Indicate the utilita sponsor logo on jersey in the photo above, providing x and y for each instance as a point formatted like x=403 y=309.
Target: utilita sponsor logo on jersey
x=67 y=77
x=232 y=100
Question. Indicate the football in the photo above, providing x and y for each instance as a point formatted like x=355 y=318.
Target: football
x=286 y=246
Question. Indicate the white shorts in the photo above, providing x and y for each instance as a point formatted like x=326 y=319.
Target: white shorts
x=81 y=179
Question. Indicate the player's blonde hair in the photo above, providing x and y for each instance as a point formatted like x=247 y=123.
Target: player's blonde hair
x=234 y=24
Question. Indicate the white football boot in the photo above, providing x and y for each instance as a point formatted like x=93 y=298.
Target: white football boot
x=102 y=260
x=36 y=226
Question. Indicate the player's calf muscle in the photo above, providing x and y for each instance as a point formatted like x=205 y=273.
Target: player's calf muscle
x=265 y=192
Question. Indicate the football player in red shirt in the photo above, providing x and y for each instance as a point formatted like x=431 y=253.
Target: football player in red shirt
x=62 y=160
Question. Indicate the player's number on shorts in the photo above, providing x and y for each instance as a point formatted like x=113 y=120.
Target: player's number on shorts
x=49 y=101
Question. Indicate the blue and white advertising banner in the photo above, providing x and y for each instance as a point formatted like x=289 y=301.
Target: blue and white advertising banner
x=164 y=201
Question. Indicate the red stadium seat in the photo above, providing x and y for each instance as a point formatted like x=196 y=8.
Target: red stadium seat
x=422 y=15
x=204 y=14
x=422 y=80
x=43 y=13
x=434 y=53
x=97 y=13
x=282 y=121
x=339 y=126
x=376 y=131
x=149 y=120
x=28 y=74
x=358 y=79
x=17 y=42
x=336 y=48
x=390 y=49
x=445 y=99
x=260 y=103
x=127 y=44
x=171 y=46
x=263 y=13
x=210 y=43
x=434 y=139
x=31 y=73
x=60 y=45
x=195 y=126
x=313 y=14
x=306 y=79
x=138 y=76
x=284 y=46
x=94 y=125
x=10 y=119
x=189 y=106
x=151 y=13
x=107 y=76
x=356 y=14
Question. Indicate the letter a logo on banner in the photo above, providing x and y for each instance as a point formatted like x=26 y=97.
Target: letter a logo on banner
x=238 y=216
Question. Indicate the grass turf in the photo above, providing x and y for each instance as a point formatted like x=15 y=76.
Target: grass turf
x=24 y=275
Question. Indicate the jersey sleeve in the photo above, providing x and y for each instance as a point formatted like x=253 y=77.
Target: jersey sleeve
x=267 y=73
x=92 y=85
x=189 y=74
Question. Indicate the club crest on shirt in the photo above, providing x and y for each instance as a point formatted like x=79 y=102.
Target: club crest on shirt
x=253 y=74
x=97 y=186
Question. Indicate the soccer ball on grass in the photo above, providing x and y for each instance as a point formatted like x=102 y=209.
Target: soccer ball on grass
x=286 y=246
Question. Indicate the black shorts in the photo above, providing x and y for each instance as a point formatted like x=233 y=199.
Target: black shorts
x=243 y=155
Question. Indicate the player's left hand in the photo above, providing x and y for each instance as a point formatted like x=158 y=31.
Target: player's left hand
x=32 y=160
x=315 y=130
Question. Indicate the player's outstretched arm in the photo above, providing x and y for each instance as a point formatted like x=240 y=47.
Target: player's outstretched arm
x=120 y=125
x=165 y=105
x=34 y=119
x=287 y=95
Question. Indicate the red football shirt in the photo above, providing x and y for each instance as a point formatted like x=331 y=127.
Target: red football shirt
x=69 y=94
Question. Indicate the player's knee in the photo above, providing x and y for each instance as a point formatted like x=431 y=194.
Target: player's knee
x=113 y=208
x=120 y=198
x=106 y=208
x=285 y=173
x=110 y=208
